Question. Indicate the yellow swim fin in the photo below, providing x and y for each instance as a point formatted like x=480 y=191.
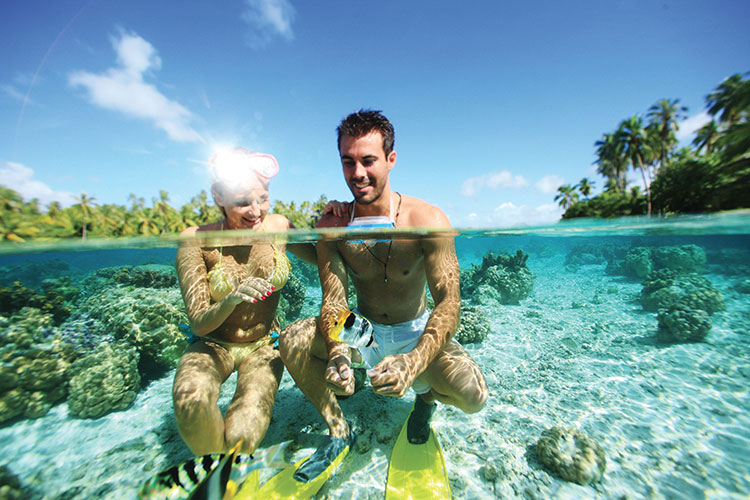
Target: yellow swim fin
x=284 y=486
x=417 y=470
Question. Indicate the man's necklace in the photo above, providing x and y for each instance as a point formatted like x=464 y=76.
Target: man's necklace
x=390 y=244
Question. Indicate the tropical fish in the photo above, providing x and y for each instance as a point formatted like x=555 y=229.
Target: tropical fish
x=182 y=481
x=353 y=329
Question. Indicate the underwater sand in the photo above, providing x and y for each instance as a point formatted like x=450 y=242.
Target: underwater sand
x=674 y=420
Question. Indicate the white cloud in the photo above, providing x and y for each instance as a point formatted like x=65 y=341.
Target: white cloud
x=690 y=126
x=507 y=215
x=549 y=183
x=124 y=90
x=15 y=94
x=495 y=180
x=267 y=19
x=20 y=178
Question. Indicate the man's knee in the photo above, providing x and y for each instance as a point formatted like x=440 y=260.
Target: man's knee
x=474 y=400
x=296 y=335
x=298 y=340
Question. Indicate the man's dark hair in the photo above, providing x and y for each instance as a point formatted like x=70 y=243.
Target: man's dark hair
x=364 y=121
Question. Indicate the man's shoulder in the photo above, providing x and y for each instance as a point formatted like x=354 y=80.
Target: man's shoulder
x=419 y=213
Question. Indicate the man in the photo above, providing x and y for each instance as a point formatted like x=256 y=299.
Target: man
x=413 y=346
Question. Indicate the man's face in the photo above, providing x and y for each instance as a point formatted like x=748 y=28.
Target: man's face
x=365 y=166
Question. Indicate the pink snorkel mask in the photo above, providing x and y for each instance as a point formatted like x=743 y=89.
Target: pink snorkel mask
x=232 y=166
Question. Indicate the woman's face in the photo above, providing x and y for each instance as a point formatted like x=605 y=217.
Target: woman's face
x=246 y=209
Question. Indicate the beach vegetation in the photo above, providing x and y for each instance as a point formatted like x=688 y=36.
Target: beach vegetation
x=710 y=175
x=24 y=220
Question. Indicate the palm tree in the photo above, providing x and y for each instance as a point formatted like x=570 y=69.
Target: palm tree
x=566 y=196
x=15 y=226
x=611 y=161
x=636 y=148
x=167 y=218
x=10 y=200
x=85 y=208
x=707 y=137
x=664 y=117
x=585 y=186
x=730 y=100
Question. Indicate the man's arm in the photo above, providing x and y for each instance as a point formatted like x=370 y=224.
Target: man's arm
x=334 y=284
x=441 y=268
x=396 y=373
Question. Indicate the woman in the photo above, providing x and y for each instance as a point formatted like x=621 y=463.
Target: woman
x=231 y=295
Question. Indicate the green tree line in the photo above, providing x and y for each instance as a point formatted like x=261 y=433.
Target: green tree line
x=24 y=220
x=711 y=174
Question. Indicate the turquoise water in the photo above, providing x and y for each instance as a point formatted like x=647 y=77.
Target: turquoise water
x=578 y=344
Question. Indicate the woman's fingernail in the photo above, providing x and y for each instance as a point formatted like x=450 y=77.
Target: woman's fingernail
x=268 y=293
x=273 y=287
x=255 y=300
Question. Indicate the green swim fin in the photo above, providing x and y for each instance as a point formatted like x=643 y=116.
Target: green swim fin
x=284 y=486
x=417 y=471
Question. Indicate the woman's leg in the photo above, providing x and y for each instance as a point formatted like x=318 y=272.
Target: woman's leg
x=195 y=392
x=249 y=413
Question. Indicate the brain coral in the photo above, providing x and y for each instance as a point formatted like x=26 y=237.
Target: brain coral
x=473 y=326
x=572 y=455
x=104 y=381
x=147 y=318
x=147 y=276
x=501 y=278
x=683 y=323
x=640 y=261
x=32 y=365
x=683 y=258
x=663 y=288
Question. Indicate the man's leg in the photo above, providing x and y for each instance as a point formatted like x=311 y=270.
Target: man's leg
x=195 y=392
x=305 y=355
x=454 y=379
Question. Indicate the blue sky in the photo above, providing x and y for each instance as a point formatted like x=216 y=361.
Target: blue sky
x=495 y=103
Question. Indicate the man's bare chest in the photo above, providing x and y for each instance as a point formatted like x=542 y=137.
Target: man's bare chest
x=387 y=261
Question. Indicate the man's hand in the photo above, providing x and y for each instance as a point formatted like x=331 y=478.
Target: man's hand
x=339 y=375
x=392 y=376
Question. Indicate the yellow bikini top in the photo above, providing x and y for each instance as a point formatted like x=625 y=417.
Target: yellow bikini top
x=281 y=270
x=220 y=284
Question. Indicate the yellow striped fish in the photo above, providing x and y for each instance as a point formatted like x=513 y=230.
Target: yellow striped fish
x=353 y=329
x=191 y=479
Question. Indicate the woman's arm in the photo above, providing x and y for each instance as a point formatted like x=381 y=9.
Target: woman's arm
x=204 y=316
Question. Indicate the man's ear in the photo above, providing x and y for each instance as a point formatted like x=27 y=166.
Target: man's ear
x=391 y=159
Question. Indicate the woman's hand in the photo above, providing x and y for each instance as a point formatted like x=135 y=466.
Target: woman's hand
x=251 y=289
x=337 y=208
